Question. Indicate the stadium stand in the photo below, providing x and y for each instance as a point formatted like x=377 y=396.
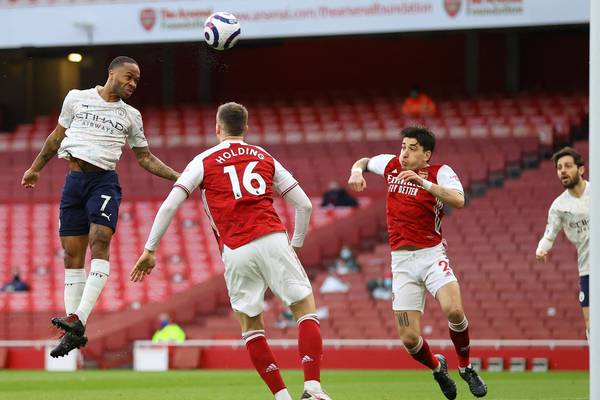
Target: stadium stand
x=483 y=139
x=337 y=128
x=346 y=117
x=189 y=254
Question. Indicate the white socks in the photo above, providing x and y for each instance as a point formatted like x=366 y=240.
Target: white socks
x=283 y=394
x=463 y=369
x=313 y=386
x=74 y=284
x=93 y=287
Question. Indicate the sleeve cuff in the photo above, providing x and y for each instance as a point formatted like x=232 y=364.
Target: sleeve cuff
x=186 y=190
x=545 y=245
x=286 y=191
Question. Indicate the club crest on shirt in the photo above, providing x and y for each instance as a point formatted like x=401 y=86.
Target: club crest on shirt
x=423 y=173
x=120 y=112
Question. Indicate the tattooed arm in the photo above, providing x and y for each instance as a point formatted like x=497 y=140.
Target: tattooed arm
x=152 y=164
x=49 y=150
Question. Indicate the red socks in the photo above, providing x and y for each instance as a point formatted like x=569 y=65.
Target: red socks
x=263 y=359
x=459 y=333
x=310 y=346
x=423 y=354
x=310 y=349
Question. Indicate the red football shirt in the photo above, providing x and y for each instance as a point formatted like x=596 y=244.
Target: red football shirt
x=414 y=216
x=237 y=182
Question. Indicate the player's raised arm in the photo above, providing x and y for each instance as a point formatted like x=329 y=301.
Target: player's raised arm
x=547 y=241
x=49 y=150
x=153 y=164
x=356 y=181
x=375 y=165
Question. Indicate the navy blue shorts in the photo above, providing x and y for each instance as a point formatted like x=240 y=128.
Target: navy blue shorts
x=584 y=291
x=89 y=197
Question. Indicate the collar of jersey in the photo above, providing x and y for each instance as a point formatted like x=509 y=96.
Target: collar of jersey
x=233 y=141
x=101 y=98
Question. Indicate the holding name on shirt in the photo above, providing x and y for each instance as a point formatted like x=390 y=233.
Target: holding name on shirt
x=239 y=151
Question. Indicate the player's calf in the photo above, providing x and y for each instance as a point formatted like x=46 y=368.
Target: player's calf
x=419 y=350
x=459 y=334
x=264 y=361
x=310 y=349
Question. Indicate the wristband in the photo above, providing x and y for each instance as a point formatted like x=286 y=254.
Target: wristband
x=426 y=184
x=357 y=170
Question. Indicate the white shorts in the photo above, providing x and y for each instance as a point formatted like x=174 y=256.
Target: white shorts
x=269 y=261
x=417 y=270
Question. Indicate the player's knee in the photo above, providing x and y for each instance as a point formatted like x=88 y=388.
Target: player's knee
x=249 y=323
x=455 y=314
x=410 y=339
x=73 y=259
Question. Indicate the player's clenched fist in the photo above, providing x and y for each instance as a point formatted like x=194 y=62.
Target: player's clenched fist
x=541 y=255
x=143 y=267
x=357 y=181
x=410 y=176
x=30 y=178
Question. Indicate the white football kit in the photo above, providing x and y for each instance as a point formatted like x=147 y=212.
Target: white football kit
x=96 y=130
x=572 y=214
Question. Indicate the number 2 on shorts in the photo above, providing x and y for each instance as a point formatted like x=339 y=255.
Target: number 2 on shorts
x=445 y=265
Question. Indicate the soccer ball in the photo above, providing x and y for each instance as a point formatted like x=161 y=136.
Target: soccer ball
x=221 y=30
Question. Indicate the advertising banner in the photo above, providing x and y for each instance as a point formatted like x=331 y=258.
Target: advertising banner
x=81 y=22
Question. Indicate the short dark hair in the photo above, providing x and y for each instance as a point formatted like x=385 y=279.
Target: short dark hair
x=568 y=151
x=233 y=118
x=120 y=60
x=423 y=135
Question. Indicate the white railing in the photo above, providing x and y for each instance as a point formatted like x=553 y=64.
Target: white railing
x=496 y=343
x=28 y=343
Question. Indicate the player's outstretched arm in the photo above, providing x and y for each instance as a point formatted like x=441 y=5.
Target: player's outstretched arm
x=49 y=150
x=153 y=164
x=143 y=266
x=545 y=244
x=356 y=181
x=162 y=221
